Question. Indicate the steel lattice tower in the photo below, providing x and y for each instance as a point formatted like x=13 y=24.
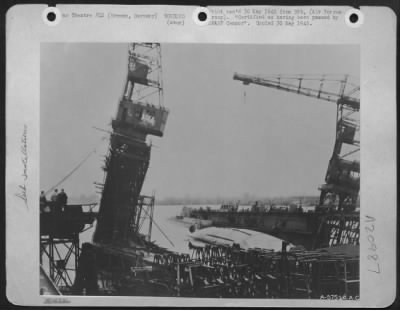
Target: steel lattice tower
x=140 y=113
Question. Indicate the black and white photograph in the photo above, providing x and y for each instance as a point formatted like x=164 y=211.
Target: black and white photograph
x=200 y=156
x=200 y=170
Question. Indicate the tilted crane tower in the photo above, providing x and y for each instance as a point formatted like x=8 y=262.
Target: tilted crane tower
x=342 y=180
x=140 y=113
x=118 y=241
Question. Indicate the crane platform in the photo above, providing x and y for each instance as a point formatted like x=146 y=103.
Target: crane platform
x=65 y=222
x=60 y=227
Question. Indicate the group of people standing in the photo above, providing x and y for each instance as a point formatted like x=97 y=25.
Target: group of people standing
x=57 y=202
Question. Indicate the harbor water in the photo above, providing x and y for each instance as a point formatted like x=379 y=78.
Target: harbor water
x=165 y=218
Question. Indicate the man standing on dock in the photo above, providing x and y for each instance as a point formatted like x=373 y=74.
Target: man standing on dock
x=53 y=197
x=62 y=199
x=43 y=201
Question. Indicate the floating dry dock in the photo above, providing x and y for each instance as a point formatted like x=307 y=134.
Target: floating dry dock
x=311 y=230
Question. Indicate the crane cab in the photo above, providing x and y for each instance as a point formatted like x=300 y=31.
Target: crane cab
x=348 y=131
x=343 y=172
x=143 y=117
x=351 y=103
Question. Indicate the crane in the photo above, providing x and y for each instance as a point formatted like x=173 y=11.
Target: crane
x=342 y=179
x=140 y=113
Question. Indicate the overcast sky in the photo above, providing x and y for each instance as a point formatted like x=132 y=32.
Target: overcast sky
x=215 y=143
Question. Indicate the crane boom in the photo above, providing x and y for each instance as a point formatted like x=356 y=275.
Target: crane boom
x=342 y=181
x=295 y=84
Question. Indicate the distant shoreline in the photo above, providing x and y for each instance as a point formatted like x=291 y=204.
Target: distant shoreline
x=248 y=201
x=305 y=200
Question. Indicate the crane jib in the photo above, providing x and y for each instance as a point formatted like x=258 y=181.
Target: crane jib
x=342 y=177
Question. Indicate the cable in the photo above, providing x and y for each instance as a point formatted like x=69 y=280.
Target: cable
x=76 y=168
x=151 y=219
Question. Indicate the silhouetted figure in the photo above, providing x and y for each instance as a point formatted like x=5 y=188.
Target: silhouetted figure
x=62 y=198
x=53 y=201
x=54 y=196
x=43 y=201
